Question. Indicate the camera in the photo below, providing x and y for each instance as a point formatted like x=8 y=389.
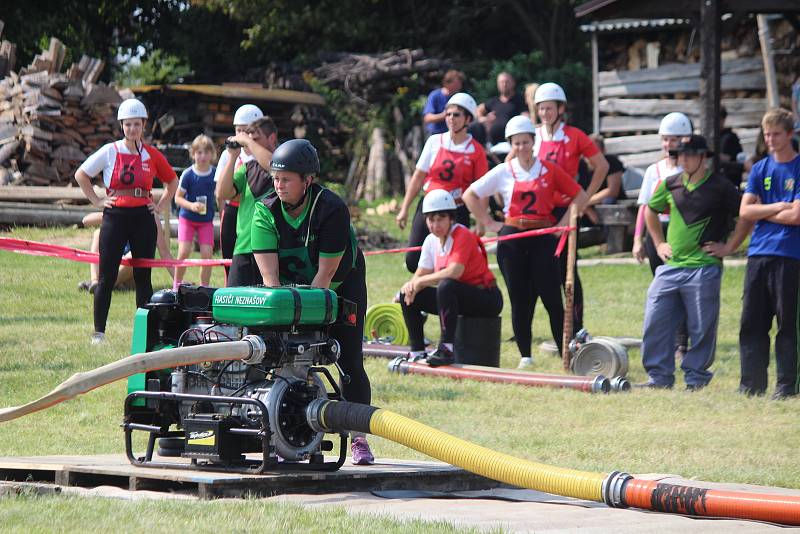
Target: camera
x=232 y=144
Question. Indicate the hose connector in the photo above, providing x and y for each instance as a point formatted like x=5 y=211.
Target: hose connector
x=314 y=415
x=613 y=489
x=600 y=384
x=396 y=365
x=620 y=383
x=257 y=350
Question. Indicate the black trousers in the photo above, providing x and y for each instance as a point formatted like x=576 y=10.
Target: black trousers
x=350 y=338
x=448 y=300
x=244 y=271
x=682 y=334
x=136 y=226
x=419 y=231
x=771 y=286
x=531 y=272
x=227 y=232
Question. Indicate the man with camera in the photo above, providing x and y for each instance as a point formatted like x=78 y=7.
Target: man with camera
x=252 y=181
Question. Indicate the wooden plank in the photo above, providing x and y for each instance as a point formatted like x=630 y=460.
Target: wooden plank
x=651 y=123
x=730 y=82
x=658 y=106
x=675 y=71
x=50 y=194
x=632 y=144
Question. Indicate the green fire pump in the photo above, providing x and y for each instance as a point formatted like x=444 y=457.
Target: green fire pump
x=214 y=413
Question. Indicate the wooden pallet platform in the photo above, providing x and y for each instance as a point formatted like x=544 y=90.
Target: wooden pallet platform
x=114 y=470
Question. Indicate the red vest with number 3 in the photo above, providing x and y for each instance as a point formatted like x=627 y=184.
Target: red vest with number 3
x=533 y=199
x=451 y=171
x=131 y=172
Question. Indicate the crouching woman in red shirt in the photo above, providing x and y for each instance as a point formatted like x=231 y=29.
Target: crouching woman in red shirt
x=452 y=279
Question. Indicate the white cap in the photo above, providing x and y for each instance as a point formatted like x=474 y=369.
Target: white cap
x=438 y=200
x=465 y=101
x=675 y=123
x=131 y=109
x=549 y=91
x=247 y=114
x=519 y=124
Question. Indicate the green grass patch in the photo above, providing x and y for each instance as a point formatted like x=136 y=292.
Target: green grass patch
x=714 y=434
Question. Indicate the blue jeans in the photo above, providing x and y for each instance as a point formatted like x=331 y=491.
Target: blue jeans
x=680 y=294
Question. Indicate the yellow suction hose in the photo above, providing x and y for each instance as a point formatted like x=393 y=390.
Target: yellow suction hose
x=386 y=321
x=337 y=416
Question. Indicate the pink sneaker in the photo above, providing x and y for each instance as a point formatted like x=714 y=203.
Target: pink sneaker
x=361 y=453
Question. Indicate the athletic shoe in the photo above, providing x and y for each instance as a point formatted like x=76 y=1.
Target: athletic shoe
x=84 y=286
x=442 y=356
x=524 y=363
x=98 y=338
x=92 y=287
x=361 y=453
x=652 y=385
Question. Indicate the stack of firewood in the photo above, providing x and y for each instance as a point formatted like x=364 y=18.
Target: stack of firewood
x=372 y=76
x=51 y=120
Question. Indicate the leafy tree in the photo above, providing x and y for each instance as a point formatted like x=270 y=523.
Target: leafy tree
x=158 y=68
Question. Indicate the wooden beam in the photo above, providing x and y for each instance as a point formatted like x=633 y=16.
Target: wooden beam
x=710 y=73
x=773 y=97
x=595 y=85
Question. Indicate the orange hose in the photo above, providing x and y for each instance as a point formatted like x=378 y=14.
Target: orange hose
x=687 y=500
x=589 y=384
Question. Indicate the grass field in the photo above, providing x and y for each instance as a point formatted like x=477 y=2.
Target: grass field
x=714 y=434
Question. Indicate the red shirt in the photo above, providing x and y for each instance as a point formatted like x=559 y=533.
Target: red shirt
x=565 y=148
x=467 y=249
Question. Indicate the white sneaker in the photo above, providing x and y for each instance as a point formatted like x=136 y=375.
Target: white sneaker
x=524 y=363
x=98 y=338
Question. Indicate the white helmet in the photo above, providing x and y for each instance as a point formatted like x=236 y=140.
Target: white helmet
x=675 y=123
x=247 y=114
x=131 y=109
x=549 y=91
x=519 y=124
x=465 y=101
x=438 y=200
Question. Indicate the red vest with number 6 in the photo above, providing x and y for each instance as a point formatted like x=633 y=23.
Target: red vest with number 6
x=131 y=172
x=451 y=171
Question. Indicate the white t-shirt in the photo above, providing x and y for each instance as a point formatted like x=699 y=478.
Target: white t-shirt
x=500 y=180
x=223 y=159
x=434 y=142
x=105 y=158
x=432 y=247
x=656 y=173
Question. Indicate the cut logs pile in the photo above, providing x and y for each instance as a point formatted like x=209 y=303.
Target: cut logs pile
x=372 y=76
x=51 y=120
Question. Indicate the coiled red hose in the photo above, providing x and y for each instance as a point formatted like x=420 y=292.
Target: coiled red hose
x=589 y=384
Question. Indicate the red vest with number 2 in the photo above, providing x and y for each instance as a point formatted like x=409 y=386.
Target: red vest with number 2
x=532 y=199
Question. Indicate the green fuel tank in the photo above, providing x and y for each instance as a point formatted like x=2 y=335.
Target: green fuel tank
x=275 y=306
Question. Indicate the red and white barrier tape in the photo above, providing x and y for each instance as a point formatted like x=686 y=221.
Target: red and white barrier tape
x=35 y=248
